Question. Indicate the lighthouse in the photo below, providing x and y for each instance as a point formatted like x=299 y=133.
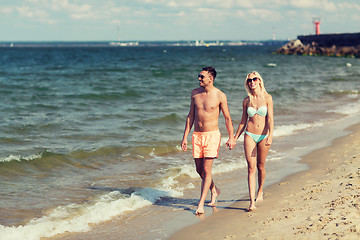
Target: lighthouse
x=317 y=21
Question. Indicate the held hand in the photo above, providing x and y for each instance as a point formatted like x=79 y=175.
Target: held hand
x=231 y=144
x=184 y=145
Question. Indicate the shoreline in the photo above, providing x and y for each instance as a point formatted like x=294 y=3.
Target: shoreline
x=321 y=202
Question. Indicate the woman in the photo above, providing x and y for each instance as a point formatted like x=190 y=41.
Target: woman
x=258 y=123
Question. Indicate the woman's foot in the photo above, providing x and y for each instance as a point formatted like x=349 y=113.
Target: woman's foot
x=251 y=207
x=260 y=197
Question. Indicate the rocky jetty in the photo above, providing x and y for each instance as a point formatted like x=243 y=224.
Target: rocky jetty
x=318 y=47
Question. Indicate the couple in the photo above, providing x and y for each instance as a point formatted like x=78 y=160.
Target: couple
x=257 y=121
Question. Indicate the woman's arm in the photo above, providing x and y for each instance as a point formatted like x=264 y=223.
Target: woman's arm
x=243 y=122
x=270 y=119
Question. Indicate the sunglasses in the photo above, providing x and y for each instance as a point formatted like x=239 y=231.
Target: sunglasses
x=201 y=76
x=252 y=79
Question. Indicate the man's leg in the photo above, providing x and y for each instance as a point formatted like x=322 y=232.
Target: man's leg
x=206 y=183
x=215 y=191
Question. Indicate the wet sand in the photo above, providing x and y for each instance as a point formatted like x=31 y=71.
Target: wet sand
x=320 y=203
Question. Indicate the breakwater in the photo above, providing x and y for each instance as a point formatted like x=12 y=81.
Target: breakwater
x=338 y=45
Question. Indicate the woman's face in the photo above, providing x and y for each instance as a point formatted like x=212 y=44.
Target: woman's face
x=253 y=81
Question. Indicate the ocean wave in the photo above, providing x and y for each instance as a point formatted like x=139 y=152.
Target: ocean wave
x=110 y=96
x=338 y=79
x=228 y=167
x=171 y=118
x=347 y=109
x=78 y=217
x=343 y=92
x=20 y=158
x=287 y=130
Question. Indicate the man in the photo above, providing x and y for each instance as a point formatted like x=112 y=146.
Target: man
x=206 y=103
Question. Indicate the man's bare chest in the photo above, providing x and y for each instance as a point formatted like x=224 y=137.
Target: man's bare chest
x=206 y=103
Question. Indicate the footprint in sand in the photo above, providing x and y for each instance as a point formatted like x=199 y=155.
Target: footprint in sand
x=283 y=183
x=230 y=237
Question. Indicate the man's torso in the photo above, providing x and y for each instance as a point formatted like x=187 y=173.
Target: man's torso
x=207 y=109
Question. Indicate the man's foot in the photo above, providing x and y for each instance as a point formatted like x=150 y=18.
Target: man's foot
x=214 y=195
x=199 y=211
x=260 y=197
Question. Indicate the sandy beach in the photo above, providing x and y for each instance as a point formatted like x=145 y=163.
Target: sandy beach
x=320 y=203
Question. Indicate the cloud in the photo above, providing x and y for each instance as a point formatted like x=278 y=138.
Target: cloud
x=28 y=12
x=172 y=4
x=310 y=4
x=349 y=6
x=78 y=16
x=240 y=13
x=51 y=11
x=60 y=5
x=175 y=14
x=265 y=14
x=6 y=10
x=35 y=14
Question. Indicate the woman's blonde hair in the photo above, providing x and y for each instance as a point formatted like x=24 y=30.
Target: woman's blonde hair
x=261 y=83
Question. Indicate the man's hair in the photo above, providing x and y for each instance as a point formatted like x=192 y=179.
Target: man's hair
x=211 y=71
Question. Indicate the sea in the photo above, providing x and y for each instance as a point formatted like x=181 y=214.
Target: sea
x=90 y=135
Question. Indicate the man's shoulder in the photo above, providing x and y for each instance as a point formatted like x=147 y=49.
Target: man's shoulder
x=220 y=95
x=196 y=90
x=219 y=92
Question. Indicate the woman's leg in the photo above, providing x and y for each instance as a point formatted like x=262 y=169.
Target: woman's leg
x=250 y=155
x=262 y=152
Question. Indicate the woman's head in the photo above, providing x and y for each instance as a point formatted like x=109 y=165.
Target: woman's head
x=254 y=77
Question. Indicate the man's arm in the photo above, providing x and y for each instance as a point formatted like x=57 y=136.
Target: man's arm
x=228 y=122
x=189 y=123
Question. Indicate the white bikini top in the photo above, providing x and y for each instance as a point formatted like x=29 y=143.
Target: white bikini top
x=262 y=111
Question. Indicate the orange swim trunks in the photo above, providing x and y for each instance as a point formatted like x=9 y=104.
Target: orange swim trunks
x=206 y=144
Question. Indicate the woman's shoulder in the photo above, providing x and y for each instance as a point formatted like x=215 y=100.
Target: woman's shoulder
x=246 y=100
x=268 y=97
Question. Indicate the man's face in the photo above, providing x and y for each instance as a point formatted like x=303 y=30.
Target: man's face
x=204 y=78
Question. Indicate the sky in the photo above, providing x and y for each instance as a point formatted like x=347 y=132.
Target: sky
x=171 y=20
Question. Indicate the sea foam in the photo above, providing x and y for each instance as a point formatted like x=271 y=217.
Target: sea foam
x=347 y=109
x=77 y=217
x=21 y=158
x=291 y=129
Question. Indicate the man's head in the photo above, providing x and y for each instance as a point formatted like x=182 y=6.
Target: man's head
x=207 y=76
x=211 y=71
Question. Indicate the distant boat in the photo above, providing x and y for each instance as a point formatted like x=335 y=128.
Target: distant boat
x=11 y=44
x=123 y=44
x=271 y=65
